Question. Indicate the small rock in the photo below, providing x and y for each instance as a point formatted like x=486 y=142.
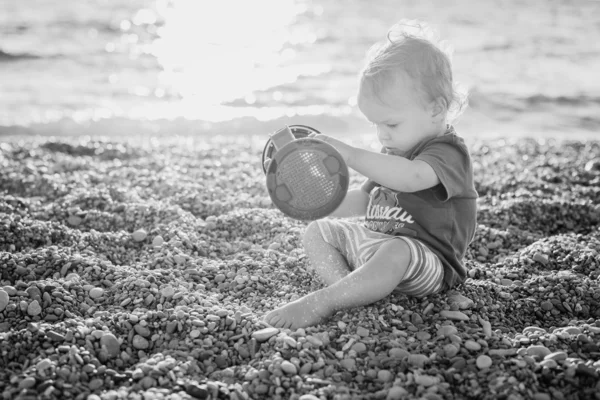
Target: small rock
x=395 y=393
x=418 y=360
x=385 y=376
x=362 y=332
x=450 y=350
x=472 y=345
x=74 y=220
x=96 y=293
x=454 y=315
x=3 y=299
x=264 y=334
x=289 y=368
x=483 y=361
x=140 y=343
x=34 y=308
x=556 y=356
x=157 y=241
x=27 y=383
x=139 y=235
x=43 y=364
x=487 y=327
x=398 y=353
x=546 y=305
x=538 y=350
x=109 y=342
x=348 y=364
x=447 y=330
x=462 y=301
x=425 y=380
x=541 y=258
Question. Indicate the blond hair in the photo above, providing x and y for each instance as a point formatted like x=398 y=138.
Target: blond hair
x=413 y=48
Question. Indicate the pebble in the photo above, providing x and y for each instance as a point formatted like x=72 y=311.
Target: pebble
x=450 y=350
x=556 y=356
x=538 y=350
x=384 y=375
x=3 y=299
x=140 y=343
x=43 y=364
x=140 y=235
x=396 y=393
x=398 y=353
x=96 y=293
x=454 y=315
x=111 y=344
x=418 y=360
x=425 y=380
x=157 y=241
x=447 y=330
x=463 y=302
x=264 y=334
x=289 y=368
x=362 y=332
x=472 y=345
x=483 y=362
x=34 y=308
x=27 y=383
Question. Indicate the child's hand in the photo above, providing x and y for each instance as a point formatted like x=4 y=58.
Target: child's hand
x=344 y=149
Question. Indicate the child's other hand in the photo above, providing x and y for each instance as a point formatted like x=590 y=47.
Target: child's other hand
x=344 y=149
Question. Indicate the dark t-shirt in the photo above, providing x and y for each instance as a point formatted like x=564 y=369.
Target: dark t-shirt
x=443 y=217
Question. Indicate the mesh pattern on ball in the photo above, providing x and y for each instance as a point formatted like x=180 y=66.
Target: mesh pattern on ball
x=307 y=179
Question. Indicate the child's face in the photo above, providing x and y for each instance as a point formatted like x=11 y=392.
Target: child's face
x=402 y=120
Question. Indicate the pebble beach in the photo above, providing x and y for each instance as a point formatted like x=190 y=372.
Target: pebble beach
x=141 y=269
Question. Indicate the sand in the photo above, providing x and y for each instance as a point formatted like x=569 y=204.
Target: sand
x=141 y=268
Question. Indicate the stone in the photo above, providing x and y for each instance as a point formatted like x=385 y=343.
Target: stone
x=556 y=356
x=395 y=393
x=140 y=235
x=362 y=332
x=111 y=344
x=450 y=350
x=447 y=330
x=289 y=368
x=3 y=299
x=157 y=241
x=418 y=360
x=140 y=343
x=460 y=300
x=538 y=350
x=96 y=293
x=472 y=345
x=385 y=376
x=425 y=380
x=454 y=315
x=483 y=362
x=34 y=308
x=398 y=353
x=264 y=334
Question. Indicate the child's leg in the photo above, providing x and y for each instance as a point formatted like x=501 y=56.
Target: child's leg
x=324 y=259
x=373 y=281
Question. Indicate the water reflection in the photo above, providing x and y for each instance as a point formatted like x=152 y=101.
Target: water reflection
x=215 y=52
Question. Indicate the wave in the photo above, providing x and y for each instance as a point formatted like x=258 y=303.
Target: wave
x=11 y=57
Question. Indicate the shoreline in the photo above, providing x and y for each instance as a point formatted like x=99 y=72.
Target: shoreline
x=91 y=305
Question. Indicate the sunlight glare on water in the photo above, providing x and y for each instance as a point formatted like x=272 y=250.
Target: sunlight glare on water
x=216 y=52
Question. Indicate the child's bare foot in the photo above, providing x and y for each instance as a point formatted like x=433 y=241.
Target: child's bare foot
x=306 y=311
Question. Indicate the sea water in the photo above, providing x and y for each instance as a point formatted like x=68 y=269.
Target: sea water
x=198 y=67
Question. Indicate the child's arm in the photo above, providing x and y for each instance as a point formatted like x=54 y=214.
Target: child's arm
x=354 y=204
x=394 y=172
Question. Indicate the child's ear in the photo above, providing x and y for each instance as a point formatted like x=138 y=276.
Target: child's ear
x=438 y=108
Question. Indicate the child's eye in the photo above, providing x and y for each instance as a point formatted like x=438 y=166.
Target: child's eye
x=392 y=125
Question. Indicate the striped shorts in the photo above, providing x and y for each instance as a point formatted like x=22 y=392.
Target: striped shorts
x=425 y=274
